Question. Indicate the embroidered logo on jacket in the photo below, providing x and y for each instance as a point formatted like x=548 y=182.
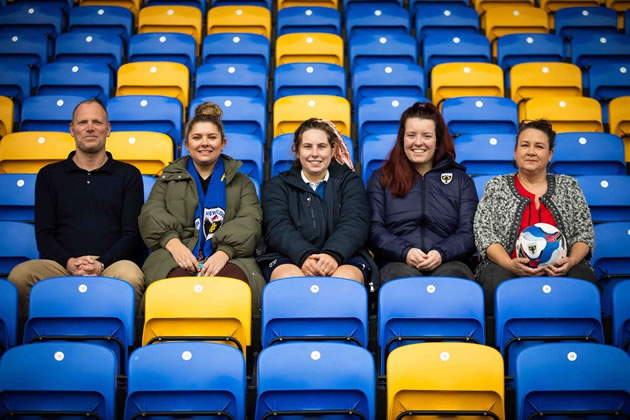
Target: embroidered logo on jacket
x=446 y=177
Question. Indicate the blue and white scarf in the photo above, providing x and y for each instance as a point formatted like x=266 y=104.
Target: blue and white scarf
x=211 y=208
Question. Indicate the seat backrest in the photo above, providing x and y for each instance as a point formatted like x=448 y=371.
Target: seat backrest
x=446 y=18
x=314 y=308
x=39 y=17
x=154 y=78
x=164 y=46
x=6 y=115
x=445 y=378
x=17 y=245
x=59 y=377
x=449 y=80
x=503 y=20
x=29 y=151
x=566 y=113
x=609 y=81
x=198 y=308
x=572 y=379
x=148 y=151
x=621 y=315
x=381 y=115
x=240 y=114
x=90 y=80
x=236 y=48
x=131 y=5
x=586 y=153
x=308 y=19
x=8 y=315
x=219 y=79
x=48 y=112
x=17 y=197
x=571 y=21
x=530 y=80
x=84 y=308
x=531 y=309
x=309 y=47
x=607 y=197
x=482 y=6
x=611 y=255
x=619 y=119
x=380 y=18
x=289 y=112
x=373 y=152
x=200 y=4
x=486 y=154
x=171 y=18
x=460 y=47
x=189 y=377
x=15 y=81
x=372 y=48
x=513 y=49
x=589 y=49
x=84 y=47
x=309 y=78
x=19 y=46
x=101 y=19
x=292 y=3
x=480 y=183
x=387 y=79
x=416 y=309
x=315 y=377
x=239 y=18
x=480 y=114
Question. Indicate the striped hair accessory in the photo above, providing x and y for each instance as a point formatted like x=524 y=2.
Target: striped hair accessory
x=340 y=150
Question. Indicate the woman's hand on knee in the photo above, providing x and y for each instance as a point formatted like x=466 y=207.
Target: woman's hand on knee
x=214 y=264
x=327 y=263
x=182 y=255
x=310 y=267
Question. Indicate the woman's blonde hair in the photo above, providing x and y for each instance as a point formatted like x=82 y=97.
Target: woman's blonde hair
x=206 y=112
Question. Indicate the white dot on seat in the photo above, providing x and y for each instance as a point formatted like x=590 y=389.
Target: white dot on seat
x=382 y=40
x=309 y=40
x=59 y=102
x=170 y=12
x=314 y=288
x=466 y=69
x=545 y=69
x=75 y=69
x=100 y=12
x=456 y=40
x=546 y=289
x=239 y=12
x=59 y=356
x=604 y=184
x=445 y=356
x=153 y=69
x=83 y=288
x=447 y=13
x=236 y=39
x=20 y=183
x=162 y=39
x=186 y=355
x=89 y=38
x=15 y=38
x=562 y=104
x=310 y=69
x=31 y=11
x=582 y=140
x=516 y=13
x=585 y=13
x=231 y=69
x=308 y=12
x=41 y=140
x=628 y=232
x=315 y=355
x=144 y=103
x=479 y=104
x=623 y=70
x=493 y=141
x=529 y=40
x=388 y=69
x=198 y=288
x=377 y=13
x=132 y=140
x=572 y=356
x=603 y=40
x=395 y=103
x=430 y=288
x=311 y=103
x=227 y=103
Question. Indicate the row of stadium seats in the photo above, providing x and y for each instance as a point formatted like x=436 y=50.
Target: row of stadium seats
x=528 y=311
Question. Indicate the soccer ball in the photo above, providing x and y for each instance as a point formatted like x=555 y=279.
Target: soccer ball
x=542 y=244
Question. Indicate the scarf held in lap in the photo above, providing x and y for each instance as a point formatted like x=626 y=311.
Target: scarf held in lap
x=211 y=208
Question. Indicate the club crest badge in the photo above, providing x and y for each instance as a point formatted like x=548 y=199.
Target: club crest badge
x=446 y=177
x=212 y=221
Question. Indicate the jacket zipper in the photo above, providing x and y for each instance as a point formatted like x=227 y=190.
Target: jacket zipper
x=422 y=214
x=310 y=207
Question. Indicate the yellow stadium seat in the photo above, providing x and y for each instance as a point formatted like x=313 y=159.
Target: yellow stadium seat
x=445 y=377
x=503 y=20
x=6 y=116
x=182 y=19
x=482 y=5
x=312 y=3
x=290 y=111
x=154 y=78
x=619 y=120
x=309 y=47
x=530 y=80
x=551 y=6
x=251 y=19
x=619 y=6
x=29 y=151
x=198 y=308
x=569 y=113
x=148 y=151
x=449 y=80
x=133 y=5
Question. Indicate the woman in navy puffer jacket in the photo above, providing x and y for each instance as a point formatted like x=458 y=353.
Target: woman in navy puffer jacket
x=422 y=202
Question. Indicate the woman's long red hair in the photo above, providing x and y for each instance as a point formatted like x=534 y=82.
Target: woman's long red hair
x=398 y=172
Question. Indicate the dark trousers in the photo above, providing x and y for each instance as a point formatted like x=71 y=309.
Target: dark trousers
x=229 y=270
x=397 y=270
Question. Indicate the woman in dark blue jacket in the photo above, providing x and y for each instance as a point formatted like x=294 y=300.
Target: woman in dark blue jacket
x=423 y=203
x=316 y=215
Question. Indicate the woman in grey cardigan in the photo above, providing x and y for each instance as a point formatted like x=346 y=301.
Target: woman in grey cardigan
x=511 y=203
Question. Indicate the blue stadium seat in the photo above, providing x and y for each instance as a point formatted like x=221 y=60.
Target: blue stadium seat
x=387 y=79
x=163 y=46
x=415 y=5
x=17 y=197
x=198 y=379
x=199 y=4
x=41 y=18
x=366 y=49
x=381 y=115
x=621 y=315
x=147 y=183
x=234 y=48
x=376 y=18
x=449 y=48
x=417 y=309
x=102 y=19
x=486 y=154
x=161 y=114
x=48 y=112
x=315 y=379
x=282 y=157
x=24 y=48
x=609 y=81
x=572 y=380
x=97 y=48
x=219 y=79
x=314 y=309
x=611 y=258
x=261 y=3
x=347 y=3
x=572 y=21
x=83 y=308
x=60 y=379
x=248 y=149
x=480 y=114
x=240 y=114
x=17 y=244
x=531 y=310
x=308 y=19
x=309 y=79
x=590 y=49
x=587 y=153
x=8 y=315
x=446 y=19
x=87 y=80
x=480 y=183
x=374 y=151
x=16 y=81
x=607 y=197
x=514 y=49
